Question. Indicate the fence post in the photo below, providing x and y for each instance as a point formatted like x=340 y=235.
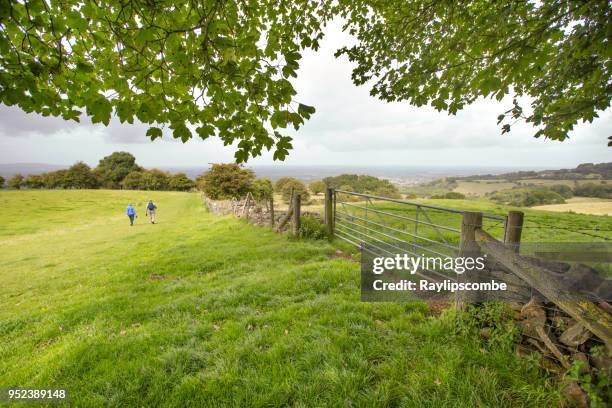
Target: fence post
x=468 y=248
x=296 y=214
x=514 y=228
x=272 y=210
x=329 y=212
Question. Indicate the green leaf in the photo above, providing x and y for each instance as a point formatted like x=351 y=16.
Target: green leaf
x=205 y=131
x=154 y=133
x=181 y=132
x=100 y=111
x=305 y=111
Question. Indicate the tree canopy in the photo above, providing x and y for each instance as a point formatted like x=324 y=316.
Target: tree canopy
x=224 y=68
x=226 y=180
x=221 y=66
x=556 y=52
x=113 y=168
x=16 y=182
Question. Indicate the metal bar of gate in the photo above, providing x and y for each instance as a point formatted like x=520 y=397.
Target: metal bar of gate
x=397 y=239
x=406 y=218
x=435 y=207
x=446 y=245
x=439 y=274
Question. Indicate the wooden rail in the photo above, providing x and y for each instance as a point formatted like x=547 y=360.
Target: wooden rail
x=598 y=321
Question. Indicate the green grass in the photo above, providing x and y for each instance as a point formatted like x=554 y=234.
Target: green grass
x=208 y=311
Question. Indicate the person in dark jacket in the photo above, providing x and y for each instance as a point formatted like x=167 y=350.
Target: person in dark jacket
x=151 y=211
x=131 y=213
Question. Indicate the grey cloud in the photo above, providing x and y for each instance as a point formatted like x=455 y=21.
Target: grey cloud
x=14 y=122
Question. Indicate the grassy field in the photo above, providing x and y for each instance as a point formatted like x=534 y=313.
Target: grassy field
x=582 y=205
x=479 y=188
x=205 y=311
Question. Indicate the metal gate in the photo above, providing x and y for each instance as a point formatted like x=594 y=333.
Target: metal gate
x=387 y=226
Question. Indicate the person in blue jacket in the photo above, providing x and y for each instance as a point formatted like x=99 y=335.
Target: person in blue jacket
x=131 y=213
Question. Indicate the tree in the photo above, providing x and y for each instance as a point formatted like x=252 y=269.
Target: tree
x=447 y=55
x=297 y=187
x=79 y=175
x=180 y=182
x=133 y=181
x=2 y=181
x=112 y=169
x=316 y=187
x=563 y=190
x=225 y=181
x=224 y=69
x=262 y=189
x=155 y=179
x=55 y=179
x=222 y=66
x=363 y=183
x=16 y=182
x=34 y=181
x=280 y=183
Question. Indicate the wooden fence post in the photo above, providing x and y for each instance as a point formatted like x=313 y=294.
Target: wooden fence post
x=468 y=247
x=514 y=228
x=272 y=211
x=329 y=212
x=296 y=214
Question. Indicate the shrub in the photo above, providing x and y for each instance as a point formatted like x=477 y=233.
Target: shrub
x=389 y=191
x=55 y=179
x=225 y=181
x=280 y=183
x=316 y=187
x=34 y=181
x=133 y=181
x=454 y=195
x=180 y=182
x=593 y=190
x=527 y=197
x=298 y=188
x=16 y=182
x=347 y=197
x=155 y=180
x=2 y=181
x=363 y=184
x=79 y=175
x=312 y=228
x=563 y=190
x=262 y=189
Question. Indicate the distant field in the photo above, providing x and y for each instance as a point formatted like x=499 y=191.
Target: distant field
x=480 y=188
x=206 y=311
x=582 y=205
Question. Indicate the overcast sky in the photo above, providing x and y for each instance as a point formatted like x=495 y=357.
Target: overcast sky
x=349 y=128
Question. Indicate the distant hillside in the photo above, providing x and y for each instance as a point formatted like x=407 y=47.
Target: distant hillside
x=9 y=170
x=585 y=171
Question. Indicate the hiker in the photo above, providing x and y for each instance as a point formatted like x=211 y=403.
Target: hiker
x=151 y=211
x=131 y=213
